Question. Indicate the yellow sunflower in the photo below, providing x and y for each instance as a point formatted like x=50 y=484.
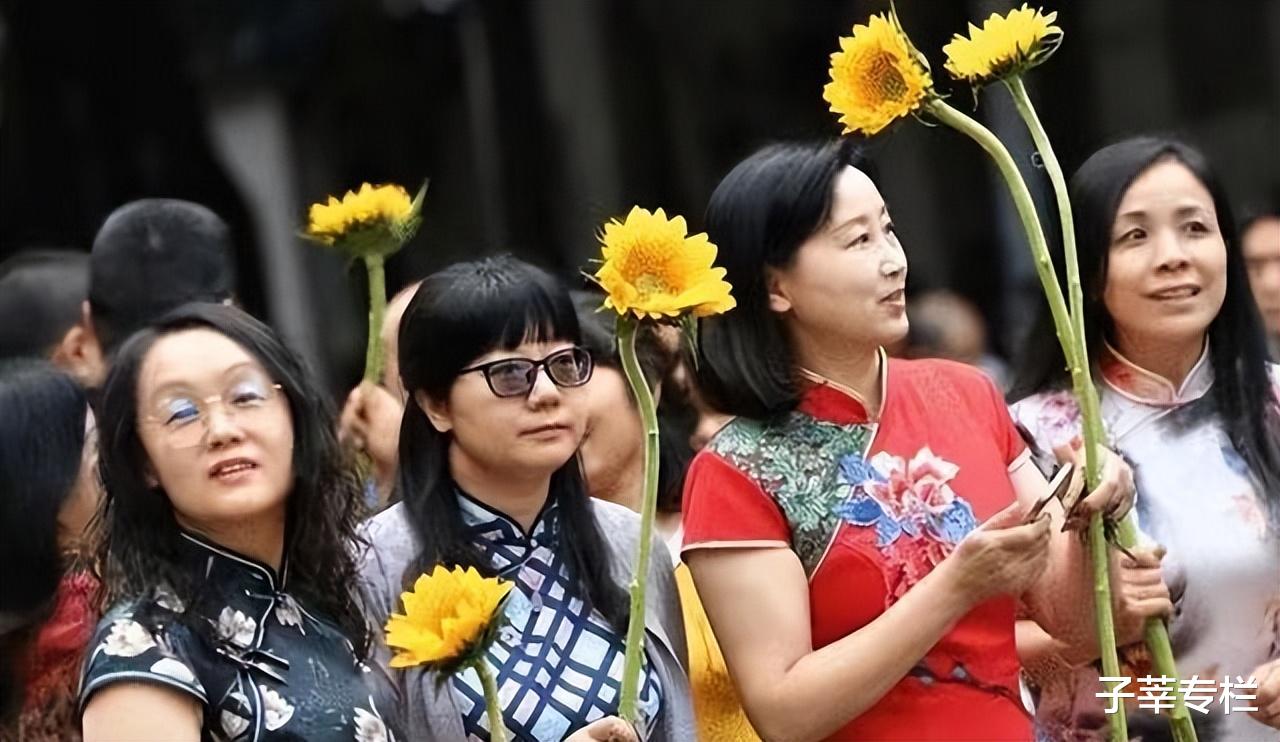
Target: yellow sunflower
x=1006 y=44
x=448 y=619
x=876 y=77
x=376 y=219
x=654 y=268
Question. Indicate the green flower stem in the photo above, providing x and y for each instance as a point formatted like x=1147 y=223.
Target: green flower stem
x=1079 y=369
x=627 y=327
x=1026 y=212
x=497 y=727
x=1156 y=633
x=1076 y=360
x=373 y=356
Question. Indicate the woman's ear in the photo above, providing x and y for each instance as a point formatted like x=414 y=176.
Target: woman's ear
x=775 y=285
x=437 y=412
x=79 y=353
x=149 y=475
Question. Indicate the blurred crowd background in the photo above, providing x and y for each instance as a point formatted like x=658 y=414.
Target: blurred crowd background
x=537 y=120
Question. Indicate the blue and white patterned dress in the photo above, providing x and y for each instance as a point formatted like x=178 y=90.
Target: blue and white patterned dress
x=557 y=663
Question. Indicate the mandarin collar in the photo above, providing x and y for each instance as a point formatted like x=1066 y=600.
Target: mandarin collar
x=1135 y=383
x=834 y=402
x=208 y=556
x=485 y=523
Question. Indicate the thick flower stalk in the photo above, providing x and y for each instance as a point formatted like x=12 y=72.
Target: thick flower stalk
x=1004 y=49
x=450 y=619
x=370 y=225
x=652 y=270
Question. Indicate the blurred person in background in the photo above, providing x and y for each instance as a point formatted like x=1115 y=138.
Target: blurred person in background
x=370 y=420
x=946 y=325
x=1189 y=399
x=42 y=293
x=48 y=494
x=1260 y=241
x=151 y=256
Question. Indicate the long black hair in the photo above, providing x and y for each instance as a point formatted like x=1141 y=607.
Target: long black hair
x=140 y=541
x=459 y=314
x=42 y=438
x=1242 y=389
x=758 y=216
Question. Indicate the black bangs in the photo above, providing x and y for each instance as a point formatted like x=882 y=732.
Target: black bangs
x=459 y=314
x=470 y=309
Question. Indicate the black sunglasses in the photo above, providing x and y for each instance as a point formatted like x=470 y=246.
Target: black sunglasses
x=515 y=377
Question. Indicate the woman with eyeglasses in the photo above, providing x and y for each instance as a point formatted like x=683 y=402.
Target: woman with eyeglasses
x=227 y=510
x=490 y=478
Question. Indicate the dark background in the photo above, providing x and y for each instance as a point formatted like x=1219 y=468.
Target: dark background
x=536 y=120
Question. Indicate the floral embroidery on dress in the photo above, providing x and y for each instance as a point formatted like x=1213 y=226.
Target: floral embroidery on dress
x=168 y=601
x=172 y=668
x=790 y=460
x=911 y=499
x=1246 y=507
x=276 y=710
x=288 y=613
x=233 y=725
x=128 y=638
x=370 y=727
x=1058 y=421
x=235 y=627
x=254 y=676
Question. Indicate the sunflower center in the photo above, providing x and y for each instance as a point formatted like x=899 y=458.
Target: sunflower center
x=650 y=284
x=649 y=269
x=884 y=77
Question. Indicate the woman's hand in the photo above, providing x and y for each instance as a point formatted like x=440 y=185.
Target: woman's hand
x=1114 y=495
x=1138 y=592
x=370 y=422
x=1003 y=556
x=608 y=729
x=1268 y=703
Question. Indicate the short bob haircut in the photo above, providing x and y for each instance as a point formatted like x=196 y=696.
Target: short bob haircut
x=1242 y=391
x=139 y=550
x=459 y=314
x=758 y=217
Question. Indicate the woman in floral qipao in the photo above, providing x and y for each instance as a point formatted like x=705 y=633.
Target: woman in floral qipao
x=227 y=517
x=1189 y=399
x=857 y=534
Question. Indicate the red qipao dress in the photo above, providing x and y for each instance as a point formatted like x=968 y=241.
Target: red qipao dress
x=870 y=507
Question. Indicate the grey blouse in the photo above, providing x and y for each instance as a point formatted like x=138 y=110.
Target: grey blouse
x=430 y=709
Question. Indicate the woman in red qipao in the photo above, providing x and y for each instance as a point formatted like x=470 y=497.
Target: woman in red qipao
x=857 y=532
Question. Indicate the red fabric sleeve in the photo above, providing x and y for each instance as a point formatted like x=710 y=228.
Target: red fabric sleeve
x=725 y=507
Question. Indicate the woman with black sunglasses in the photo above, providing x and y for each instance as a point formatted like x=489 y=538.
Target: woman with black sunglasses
x=490 y=357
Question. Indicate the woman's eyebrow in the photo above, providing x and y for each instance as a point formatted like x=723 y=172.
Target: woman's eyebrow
x=175 y=384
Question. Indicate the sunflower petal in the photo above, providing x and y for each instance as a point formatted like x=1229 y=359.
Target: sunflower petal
x=1004 y=45
x=653 y=268
x=876 y=78
x=447 y=616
